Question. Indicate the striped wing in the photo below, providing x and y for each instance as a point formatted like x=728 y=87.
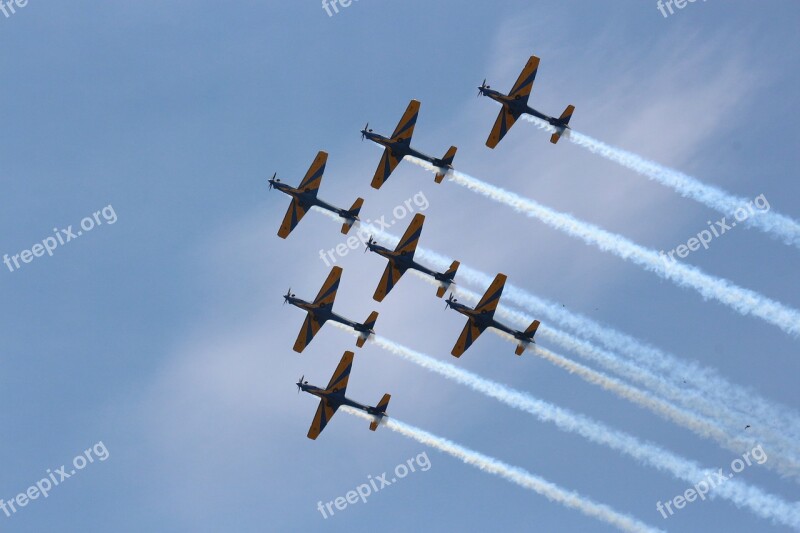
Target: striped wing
x=405 y=128
x=491 y=298
x=327 y=294
x=293 y=215
x=341 y=376
x=310 y=328
x=468 y=335
x=313 y=178
x=408 y=243
x=390 y=277
x=522 y=88
x=387 y=165
x=501 y=126
x=325 y=412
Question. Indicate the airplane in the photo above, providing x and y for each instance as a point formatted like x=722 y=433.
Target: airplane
x=321 y=310
x=398 y=146
x=482 y=317
x=304 y=197
x=515 y=104
x=402 y=259
x=332 y=397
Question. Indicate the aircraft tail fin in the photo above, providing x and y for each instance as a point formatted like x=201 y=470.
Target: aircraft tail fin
x=564 y=119
x=567 y=114
x=447 y=161
x=368 y=326
x=529 y=333
x=445 y=283
x=352 y=215
x=381 y=408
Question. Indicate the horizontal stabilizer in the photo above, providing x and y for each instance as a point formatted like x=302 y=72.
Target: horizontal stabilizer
x=352 y=215
x=369 y=325
x=448 y=279
x=529 y=333
x=564 y=120
x=448 y=157
x=567 y=114
x=446 y=161
x=381 y=408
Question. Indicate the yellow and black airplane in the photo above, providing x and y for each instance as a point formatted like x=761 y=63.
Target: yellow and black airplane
x=482 y=317
x=515 y=104
x=398 y=146
x=402 y=259
x=304 y=198
x=321 y=310
x=332 y=397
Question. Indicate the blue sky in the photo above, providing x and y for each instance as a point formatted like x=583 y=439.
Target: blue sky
x=163 y=335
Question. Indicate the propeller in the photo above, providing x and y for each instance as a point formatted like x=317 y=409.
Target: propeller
x=299 y=382
x=364 y=131
x=450 y=301
x=273 y=180
x=483 y=86
x=287 y=296
x=369 y=243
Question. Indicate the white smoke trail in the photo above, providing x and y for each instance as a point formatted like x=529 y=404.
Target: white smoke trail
x=744 y=301
x=770 y=222
x=686 y=375
x=686 y=381
x=709 y=422
x=742 y=495
x=700 y=425
x=515 y=475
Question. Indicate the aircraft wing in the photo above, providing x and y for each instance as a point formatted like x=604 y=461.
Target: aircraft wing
x=408 y=243
x=468 y=335
x=405 y=128
x=341 y=376
x=390 y=277
x=325 y=412
x=522 y=88
x=293 y=215
x=491 y=298
x=327 y=294
x=504 y=121
x=313 y=178
x=310 y=328
x=388 y=163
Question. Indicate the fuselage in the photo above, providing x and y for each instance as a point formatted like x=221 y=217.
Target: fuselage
x=307 y=198
x=323 y=313
x=403 y=260
x=401 y=149
x=485 y=319
x=337 y=398
x=518 y=107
